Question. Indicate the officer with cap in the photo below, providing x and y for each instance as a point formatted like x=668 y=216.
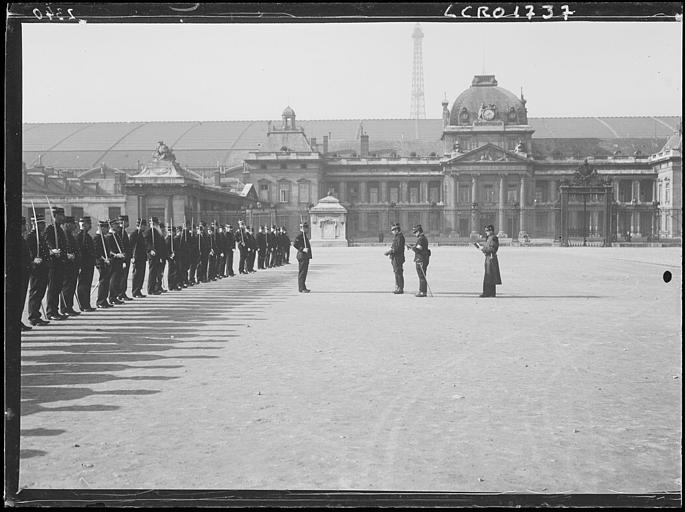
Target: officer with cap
x=126 y=248
x=396 y=253
x=421 y=258
x=304 y=254
x=39 y=254
x=251 y=250
x=193 y=255
x=139 y=257
x=492 y=275
x=261 y=247
x=204 y=247
x=103 y=263
x=154 y=243
x=241 y=238
x=86 y=269
x=117 y=256
x=286 y=245
x=71 y=266
x=56 y=240
x=230 y=247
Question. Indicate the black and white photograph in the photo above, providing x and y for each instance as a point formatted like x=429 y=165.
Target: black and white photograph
x=298 y=249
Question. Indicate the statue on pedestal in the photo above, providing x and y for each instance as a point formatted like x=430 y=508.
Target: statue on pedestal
x=163 y=152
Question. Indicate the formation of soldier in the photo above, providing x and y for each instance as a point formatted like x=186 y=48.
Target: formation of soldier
x=59 y=260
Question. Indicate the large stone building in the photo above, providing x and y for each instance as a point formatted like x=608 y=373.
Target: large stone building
x=486 y=161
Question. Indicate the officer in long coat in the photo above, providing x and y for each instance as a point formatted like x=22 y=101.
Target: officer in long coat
x=421 y=259
x=286 y=245
x=86 y=270
x=396 y=253
x=126 y=248
x=242 y=239
x=103 y=263
x=117 y=257
x=230 y=247
x=39 y=254
x=492 y=275
x=56 y=240
x=154 y=242
x=139 y=254
x=261 y=247
x=221 y=245
x=251 y=250
x=71 y=267
x=304 y=254
x=193 y=256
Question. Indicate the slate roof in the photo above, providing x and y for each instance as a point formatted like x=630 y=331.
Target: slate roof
x=203 y=144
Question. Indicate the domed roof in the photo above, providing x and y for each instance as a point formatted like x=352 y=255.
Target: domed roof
x=484 y=91
x=288 y=112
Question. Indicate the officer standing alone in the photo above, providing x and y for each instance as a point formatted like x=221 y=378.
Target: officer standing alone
x=304 y=254
x=421 y=258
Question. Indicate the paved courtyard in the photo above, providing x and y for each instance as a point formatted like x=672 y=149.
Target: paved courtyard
x=569 y=381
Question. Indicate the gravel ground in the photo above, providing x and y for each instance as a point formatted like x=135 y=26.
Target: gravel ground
x=569 y=381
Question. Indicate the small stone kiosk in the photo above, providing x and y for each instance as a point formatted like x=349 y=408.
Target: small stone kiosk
x=327 y=223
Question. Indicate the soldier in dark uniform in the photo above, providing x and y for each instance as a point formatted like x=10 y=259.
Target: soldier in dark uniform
x=212 y=254
x=396 y=253
x=172 y=240
x=304 y=254
x=421 y=259
x=103 y=263
x=270 y=248
x=193 y=252
x=203 y=251
x=252 y=250
x=56 y=240
x=39 y=254
x=261 y=247
x=126 y=248
x=221 y=249
x=117 y=257
x=86 y=248
x=25 y=274
x=286 y=245
x=71 y=266
x=241 y=238
x=230 y=247
x=278 y=252
x=139 y=255
x=154 y=242
x=492 y=275
x=163 y=257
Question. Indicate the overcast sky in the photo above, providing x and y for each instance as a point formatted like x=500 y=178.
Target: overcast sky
x=96 y=72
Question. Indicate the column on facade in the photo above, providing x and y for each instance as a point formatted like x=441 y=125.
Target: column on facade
x=343 y=191
x=384 y=192
x=522 y=213
x=170 y=207
x=404 y=192
x=636 y=190
x=502 y=203
x=638 y=231
x=617 y=187
x=423 y=192
x=553 y=197
x=363 y=197
x=618 y=224
x=450 y=201
x=475 y=220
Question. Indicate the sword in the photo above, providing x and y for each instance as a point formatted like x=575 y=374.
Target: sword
x=35 y=221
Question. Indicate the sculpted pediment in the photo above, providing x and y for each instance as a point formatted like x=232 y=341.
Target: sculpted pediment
x=488 y=153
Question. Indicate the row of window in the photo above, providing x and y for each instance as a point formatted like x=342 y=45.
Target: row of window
x=283 y=192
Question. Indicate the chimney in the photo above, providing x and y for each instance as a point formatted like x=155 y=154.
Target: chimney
x=325 y=144
x=312 y=143
x=364 y=150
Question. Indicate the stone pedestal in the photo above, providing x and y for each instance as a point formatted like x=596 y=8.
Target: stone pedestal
x=327 y=223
